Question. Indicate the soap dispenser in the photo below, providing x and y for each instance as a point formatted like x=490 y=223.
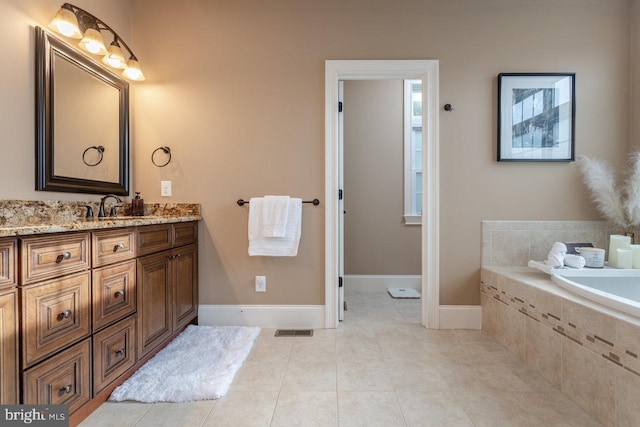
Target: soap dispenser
x=137 y=205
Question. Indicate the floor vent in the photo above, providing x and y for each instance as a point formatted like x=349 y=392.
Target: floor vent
x=294 y=333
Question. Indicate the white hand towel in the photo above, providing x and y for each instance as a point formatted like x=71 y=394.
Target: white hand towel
x=575 y=261
x=259 y=245
x=275 y=212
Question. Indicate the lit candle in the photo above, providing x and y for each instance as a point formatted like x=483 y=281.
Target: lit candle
x=617 y=241
x=625 y=258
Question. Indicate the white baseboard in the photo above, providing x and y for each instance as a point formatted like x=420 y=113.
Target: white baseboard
x=312 y=316
x=264 y=316
x=364 y=283
x=460 y=316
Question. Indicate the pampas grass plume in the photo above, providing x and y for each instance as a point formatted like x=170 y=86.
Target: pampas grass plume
x=600 y=180
x=632 y=202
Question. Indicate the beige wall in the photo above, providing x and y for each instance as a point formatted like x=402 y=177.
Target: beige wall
x=376 y=240
x=236 y=89
x=17 y=88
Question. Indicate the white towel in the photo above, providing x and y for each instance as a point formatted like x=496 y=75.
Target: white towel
x=275 y=212
x=555 y=259
x=259 y=245
x=575 y=261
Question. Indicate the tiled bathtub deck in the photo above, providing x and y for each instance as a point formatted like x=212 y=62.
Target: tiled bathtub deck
x=588 y=351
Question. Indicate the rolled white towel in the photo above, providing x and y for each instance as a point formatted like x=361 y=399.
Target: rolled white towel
x=555 y=259
x=575 y=261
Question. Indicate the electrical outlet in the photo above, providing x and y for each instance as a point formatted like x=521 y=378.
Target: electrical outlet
x=261 y=283
x=165 y=188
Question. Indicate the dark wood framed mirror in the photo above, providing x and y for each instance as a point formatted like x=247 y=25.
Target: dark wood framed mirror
x=82 y=122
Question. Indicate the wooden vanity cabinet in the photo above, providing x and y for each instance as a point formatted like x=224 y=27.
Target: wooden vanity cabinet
x=167 y=282
x=8 y=322
x=94 y=306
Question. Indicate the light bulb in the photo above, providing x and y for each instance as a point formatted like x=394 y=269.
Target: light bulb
x=133 y=71
x=114 y=57
x=66 y=23
x=92 y=42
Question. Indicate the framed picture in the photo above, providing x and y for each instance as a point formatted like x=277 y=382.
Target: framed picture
x=536 y=117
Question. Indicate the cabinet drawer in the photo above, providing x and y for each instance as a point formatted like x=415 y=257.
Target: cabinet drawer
x=114 y=293
x=54 y=314
x=185 y=233
x=113 y=352
x=113 y=246
x=8 y=262
x=52 y=256
x=64 y=379
x=154 y=238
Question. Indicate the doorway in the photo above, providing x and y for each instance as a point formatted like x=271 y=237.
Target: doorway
x=427 y=71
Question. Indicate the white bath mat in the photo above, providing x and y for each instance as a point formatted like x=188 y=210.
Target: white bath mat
x=404 y=293
x=199 y=364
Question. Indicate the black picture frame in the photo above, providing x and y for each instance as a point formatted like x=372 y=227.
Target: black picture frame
x=536 y=117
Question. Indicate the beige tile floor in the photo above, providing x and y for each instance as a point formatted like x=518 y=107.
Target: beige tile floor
x=379 y=368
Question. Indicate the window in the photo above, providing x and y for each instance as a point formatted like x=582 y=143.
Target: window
x=413 y=152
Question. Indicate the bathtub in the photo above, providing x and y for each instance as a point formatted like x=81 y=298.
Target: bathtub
x=615 y=288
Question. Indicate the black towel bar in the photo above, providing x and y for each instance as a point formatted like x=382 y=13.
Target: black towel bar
x=315 y=202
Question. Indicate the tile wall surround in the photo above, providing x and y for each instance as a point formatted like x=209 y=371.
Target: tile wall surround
x=514 y=243
x=36 y=212
x=590 y=352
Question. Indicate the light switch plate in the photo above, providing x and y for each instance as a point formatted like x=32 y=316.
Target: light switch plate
x=165 y=188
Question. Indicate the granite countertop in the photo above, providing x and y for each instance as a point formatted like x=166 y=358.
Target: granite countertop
x=22 y=218
x=92 y=224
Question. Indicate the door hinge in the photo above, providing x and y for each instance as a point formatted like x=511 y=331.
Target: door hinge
x=340 y=194
x=339 y=282
x=340 y=107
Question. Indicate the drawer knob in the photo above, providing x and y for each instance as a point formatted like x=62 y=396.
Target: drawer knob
x=65 y=315
x=64 y=256
x=121 y=352
x=118 y=246
x=67 y=389
x=119 y=293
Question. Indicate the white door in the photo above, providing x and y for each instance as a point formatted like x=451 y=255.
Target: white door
x=341 y=283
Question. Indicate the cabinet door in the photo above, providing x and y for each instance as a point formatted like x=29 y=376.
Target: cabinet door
x=154 y=301
x=185 y=285
x=9 y=347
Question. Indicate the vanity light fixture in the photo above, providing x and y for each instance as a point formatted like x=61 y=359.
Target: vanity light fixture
x=72 y=21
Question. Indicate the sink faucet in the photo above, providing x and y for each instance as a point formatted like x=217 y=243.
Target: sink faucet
x=101 y=213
